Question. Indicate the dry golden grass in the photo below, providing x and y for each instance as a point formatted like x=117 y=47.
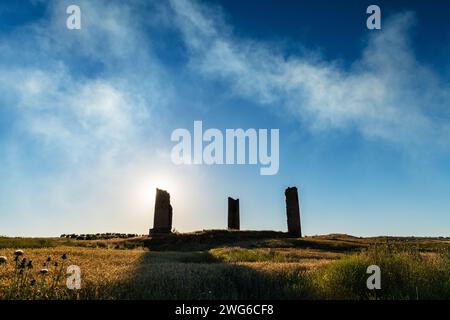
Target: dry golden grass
x=112 y=274
x=308 y=268
x=100 y=267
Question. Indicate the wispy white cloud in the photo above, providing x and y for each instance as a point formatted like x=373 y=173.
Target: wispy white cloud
x=84 y=106
x=387 y=94
x=77 y=109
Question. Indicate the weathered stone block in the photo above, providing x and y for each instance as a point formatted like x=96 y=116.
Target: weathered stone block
x=293 y=211
x=162 y=221
x=233 y=214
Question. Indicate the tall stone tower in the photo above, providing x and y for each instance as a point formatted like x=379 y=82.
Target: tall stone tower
x=293 y=211
x=162 y=220
x=233 y=214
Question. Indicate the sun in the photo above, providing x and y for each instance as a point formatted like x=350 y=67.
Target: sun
x=151 y=183
x=163 y=184
x=144 y=193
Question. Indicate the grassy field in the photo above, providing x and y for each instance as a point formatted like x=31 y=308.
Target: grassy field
x=227 y=265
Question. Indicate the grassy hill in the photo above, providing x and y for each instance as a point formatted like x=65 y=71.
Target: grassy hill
x=218 y=264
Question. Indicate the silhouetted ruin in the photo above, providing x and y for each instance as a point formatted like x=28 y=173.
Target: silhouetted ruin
x=233 y=214
x=162 y=221
x=293 y=211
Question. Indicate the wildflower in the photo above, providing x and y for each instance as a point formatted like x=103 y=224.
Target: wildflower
x=18 y=253
x=3 y=260
x=23 y=263
x=43 y=271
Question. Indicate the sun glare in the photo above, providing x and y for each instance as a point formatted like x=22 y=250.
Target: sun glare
x=160 y=184
x=147 y=188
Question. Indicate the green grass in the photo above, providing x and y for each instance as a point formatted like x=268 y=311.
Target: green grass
x=281 y=255
x=17 y=243
x=22 y=243
x=404 y=275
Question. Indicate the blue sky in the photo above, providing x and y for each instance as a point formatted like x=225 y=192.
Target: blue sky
x=86 y=115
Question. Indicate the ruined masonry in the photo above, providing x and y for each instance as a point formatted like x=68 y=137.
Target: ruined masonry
x=233 y=214
x=293 y=211
x=162 y=221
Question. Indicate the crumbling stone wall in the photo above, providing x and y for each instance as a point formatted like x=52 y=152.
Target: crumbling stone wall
x=233 y=214
x=162 y=220
x=293 y=211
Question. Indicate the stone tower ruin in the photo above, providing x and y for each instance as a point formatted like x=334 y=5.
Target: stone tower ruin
x=162 y=220
x=293 y=211
x=233 y=214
